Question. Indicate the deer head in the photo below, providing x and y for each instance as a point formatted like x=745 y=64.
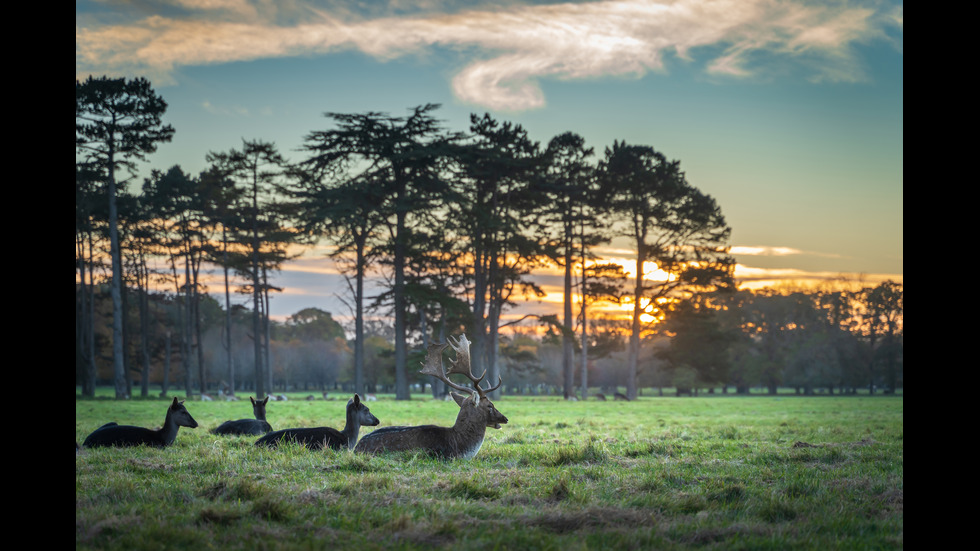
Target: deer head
x=180 y=414
x=477 y=400
x=258 y=408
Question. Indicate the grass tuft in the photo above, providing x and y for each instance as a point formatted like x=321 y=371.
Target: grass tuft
x=471 y=489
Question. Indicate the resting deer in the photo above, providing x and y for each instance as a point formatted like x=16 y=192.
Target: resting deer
x=112 y=434
x=252 y=427
x=463 y=439
x=318 y=438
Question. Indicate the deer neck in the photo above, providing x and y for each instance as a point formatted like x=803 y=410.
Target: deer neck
x=469 y=431
x=470 y=422
x=168 y=433
x=351 y=429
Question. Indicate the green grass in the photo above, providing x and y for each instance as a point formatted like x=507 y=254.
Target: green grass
x=658 y=473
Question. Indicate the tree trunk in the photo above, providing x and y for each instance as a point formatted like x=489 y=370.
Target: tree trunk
x=165 y=385
x=635 y=328
x=226 y=341
x=187 y=344
x=267 y=331
x=568 y=349
x=256 y=298
x=401 y=352
x=118 y=362
x=144 y=338
x=359 y=319
x=197 y=330
x=585 y=325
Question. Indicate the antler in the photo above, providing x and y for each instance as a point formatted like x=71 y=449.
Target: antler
x=461 y=365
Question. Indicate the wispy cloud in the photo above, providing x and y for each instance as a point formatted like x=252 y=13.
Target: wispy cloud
x=226 y=111
x=512 y=47
x=743 y=250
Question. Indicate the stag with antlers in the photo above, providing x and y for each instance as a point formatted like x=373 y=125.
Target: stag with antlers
x=476 y=413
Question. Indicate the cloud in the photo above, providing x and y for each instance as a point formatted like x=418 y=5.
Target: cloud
x=511 y=47
x=749 y=277
x=225 y=111
x=744 y=250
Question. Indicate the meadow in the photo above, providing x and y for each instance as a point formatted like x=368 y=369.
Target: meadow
x=709 y=472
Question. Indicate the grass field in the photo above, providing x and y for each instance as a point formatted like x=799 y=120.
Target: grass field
x=717 y=472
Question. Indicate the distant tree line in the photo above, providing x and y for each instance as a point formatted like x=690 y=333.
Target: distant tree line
x=840 y=339
x=453 y=223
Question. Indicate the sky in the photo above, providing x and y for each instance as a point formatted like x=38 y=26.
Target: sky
x=789 y=113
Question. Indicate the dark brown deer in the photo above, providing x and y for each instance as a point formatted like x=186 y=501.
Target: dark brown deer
x=251 y=427
x=463 y=439
x=318 y=438
x=113 y=434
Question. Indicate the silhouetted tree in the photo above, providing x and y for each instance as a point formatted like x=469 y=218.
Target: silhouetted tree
x=568 y=182
x=492 y=220
x=174 y=199
x=260 y=173
x=117 y=122
x=392 y=164
x=221 y=204
x=90 y=221
x=676 y=230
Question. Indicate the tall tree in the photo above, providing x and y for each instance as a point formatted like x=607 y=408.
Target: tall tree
x=679 y=234
x=173 y=197
x=338 y=204
x=117 y=122
x=492 y=218
x=400 y=160
x=261 y=173
x=567 y=185
x=89 y=222
x=139 y=238
x=221 y=204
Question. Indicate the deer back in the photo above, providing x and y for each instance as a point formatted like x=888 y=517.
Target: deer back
x=314 y=438
x=432 y=439
x=245 y=427
x=122 y=436
x=112 y=434
x=317 y=438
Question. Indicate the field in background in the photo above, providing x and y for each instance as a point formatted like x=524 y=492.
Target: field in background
x=665 y=473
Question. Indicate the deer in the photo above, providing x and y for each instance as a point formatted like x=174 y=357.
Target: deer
x=318 y=438
x=253 y=427
x=114 y=434
x=476 y=412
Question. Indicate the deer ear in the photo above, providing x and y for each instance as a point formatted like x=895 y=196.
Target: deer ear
x=175 y=402
x=252 y=399
x=458 y=397
x=357 y=400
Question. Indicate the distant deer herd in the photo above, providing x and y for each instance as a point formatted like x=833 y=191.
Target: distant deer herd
x=462 y=440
